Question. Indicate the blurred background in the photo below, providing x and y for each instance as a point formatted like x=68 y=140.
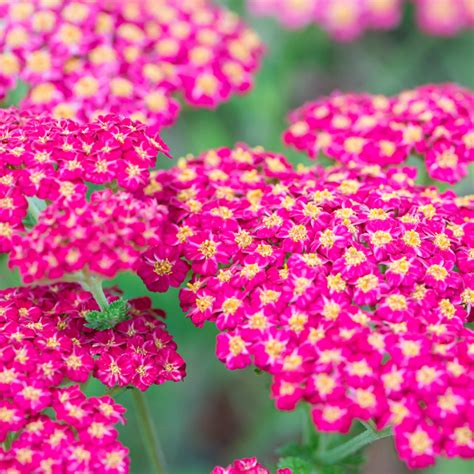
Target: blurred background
x=215 y=416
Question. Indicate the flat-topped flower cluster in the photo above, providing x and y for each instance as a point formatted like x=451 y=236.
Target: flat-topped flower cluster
x=46 y=346
x=54 y=160
x=81 y=438
x=346 y=20
x=433 y=122
x=351 y=286
x=84 y=58
x=46 y=338
x=102 y=236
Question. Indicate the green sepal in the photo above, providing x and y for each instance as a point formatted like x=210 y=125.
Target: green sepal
x=115 y=313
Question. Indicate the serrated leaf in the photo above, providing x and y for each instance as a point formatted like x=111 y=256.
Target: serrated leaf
x=115 y=313
x=297 y=465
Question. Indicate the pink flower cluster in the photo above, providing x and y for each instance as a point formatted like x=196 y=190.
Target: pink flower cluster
x=350 y=286
x=81 y=438
x=52 y=160
x=346 y=20
x=102 y=236
x=84 y=58
x=434 y=122
x=45 y=341
x=246 y=466
x=44 y=344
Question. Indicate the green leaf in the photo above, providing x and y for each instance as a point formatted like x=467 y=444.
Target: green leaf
x=297 y=465
x=115 y=313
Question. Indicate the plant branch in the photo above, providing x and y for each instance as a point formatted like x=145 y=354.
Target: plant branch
x=148 y=432
x=339 y=453
x=94 y=286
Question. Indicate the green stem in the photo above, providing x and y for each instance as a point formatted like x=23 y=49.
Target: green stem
x=337 y=454
x=94 y=286
x=7 y=444
x=369 y=425
x=148 y=431
x=115 y=391
x=324 y=442
x=308 y=426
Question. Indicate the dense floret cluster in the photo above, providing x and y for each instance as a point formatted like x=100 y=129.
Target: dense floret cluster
x=44 y=347
x=45 y=341
x=434 y=122
x=80 y=438
x=85 y=58
x=246 y=466
x=46 y=424
x=101 y=236
x=346 y=20
x=52 y=160
x=350 y=286
x=58 y=225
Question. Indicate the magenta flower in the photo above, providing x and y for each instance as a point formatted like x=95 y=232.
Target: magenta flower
x=45 y=340
x=77 y=235
x=46 y=159
x=45 y=343
x=432 y=122
x=350 y=286
x=160 y=267
x=346 y=20
x=84 y=59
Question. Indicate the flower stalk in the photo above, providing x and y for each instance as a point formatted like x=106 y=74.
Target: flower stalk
x=148 y=432
x=94 y=286
x=339 y=453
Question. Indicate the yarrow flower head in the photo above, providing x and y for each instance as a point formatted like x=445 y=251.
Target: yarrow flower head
x=83 y=58
x=44 y=344
x=82 y=437
x=247 y=466
x=346 y=20
x=350 y=286
x=46 y=340
x=433 y=122
x=102 y=236
x=46 y=159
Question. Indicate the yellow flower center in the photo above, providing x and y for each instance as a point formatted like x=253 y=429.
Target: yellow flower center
x=163 y=267
x=354 y=257
x=298 y=233
x=208 y=248
x=419 y=442
x=411 y=238
x=438 y=272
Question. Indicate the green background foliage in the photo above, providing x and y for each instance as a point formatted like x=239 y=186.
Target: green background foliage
x=216 y=415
